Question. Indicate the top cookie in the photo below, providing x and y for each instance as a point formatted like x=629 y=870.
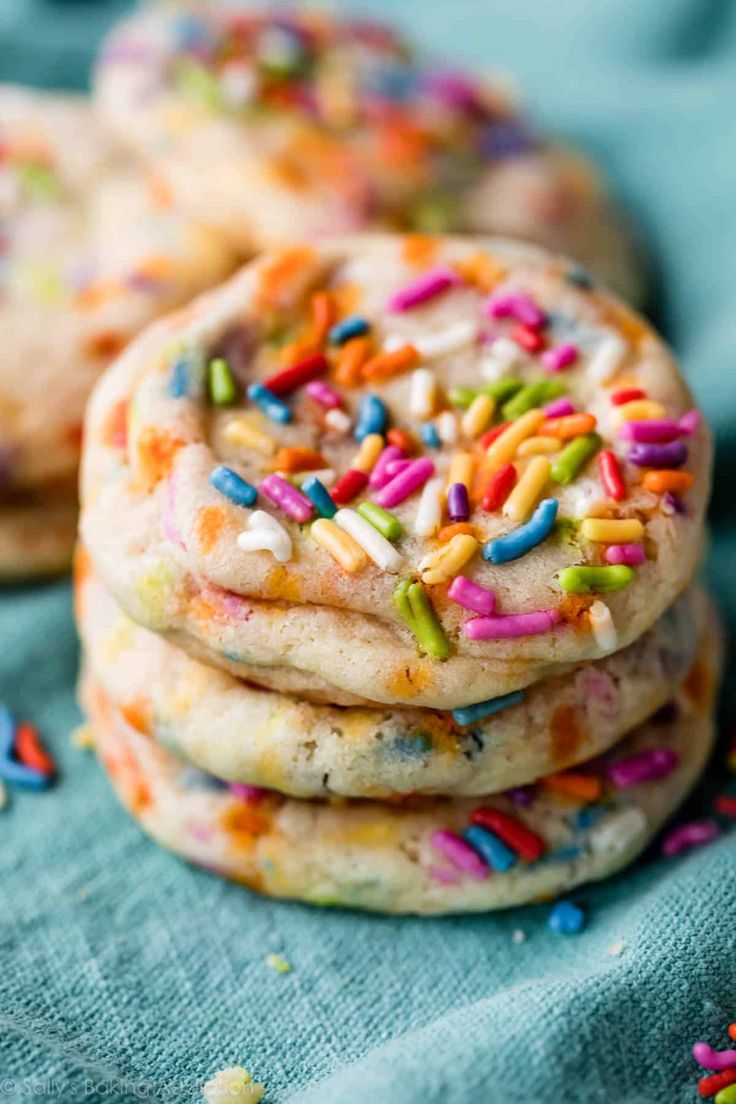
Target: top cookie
x=292 y=124
x=416 y=470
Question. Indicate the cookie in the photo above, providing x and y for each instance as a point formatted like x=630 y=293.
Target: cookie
x=293 y=124
x=416 y=857
x=244 y=734
x=425 y=482
x=36 y=538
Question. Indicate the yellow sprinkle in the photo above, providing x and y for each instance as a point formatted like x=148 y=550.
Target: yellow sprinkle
x=239 y=432
x=639 y=410
x=621 y=531
x=369 y=451
x=445 y=563
x=83 y=737
x=478 y=415
x=504 y=447
x=461 y=469
x=278 y=963
x=522 y=500
x=233 y=1086
x=340 y=545
x=539 y=446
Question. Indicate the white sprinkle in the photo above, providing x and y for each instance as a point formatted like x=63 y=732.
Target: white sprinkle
x=446 y=423
x=616 y=948
x=450 y=340
x=265 y=534
x=338 y=420
x=326 y=476
x=233 y=1086
x=518 y=935
x=620 y=831
x=373 y=543
x=606 y=358
x=429 y=510
x=603 y=627
x=422 y=393
x=503 y=355
x=589 y=498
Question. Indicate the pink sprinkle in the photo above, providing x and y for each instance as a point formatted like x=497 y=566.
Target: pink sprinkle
x=444 y=875
x=657 y=430
x=472 y=596
x=647 y=766
x=695 y=834
x=560 y=408
x=426 y=287
x=460 y=853
x=520 y=307
x=512 y=624
x=380 y=476
x=250 y=795
x=405 y=483
x=714 y=1059
x=631 y=554
x=322 y=393
x=690 y=422
x=290 y=499
x=559 y=357
x=168 y=524
x=395 y=467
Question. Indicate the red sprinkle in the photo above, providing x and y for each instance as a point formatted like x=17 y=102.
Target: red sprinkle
x=490 y=435
x=348 y=486
x=499 y=487
x=627 y=394
x=611 y=477
x=726 y=806
x=401 y=438
x=732 y=1031
x=531 y=340
x=514 y=834
x=29 y=750
x=709 y=1086
x=282 y=383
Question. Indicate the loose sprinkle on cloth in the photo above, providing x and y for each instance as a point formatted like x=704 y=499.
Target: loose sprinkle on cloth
x=233 y=1086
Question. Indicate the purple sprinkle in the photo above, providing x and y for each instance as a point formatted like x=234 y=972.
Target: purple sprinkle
x=695 y=834
x=559 y=358
x=288 y=498
x=656 y=430
x=672 y=455
x=647 y=766
x=458 y=507
x=560 y=408
x=460 y=853
x=521 y=795
x=671 y=503
x=690 y=422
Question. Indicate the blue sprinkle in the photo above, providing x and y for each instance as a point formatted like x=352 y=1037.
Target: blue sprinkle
x=353 y=326
x=566 y=919
x=579 y=276
x=590 y=815
x=229 y=483
x=372 y=417
x=469 y=714
x=520 y=541
x=192 y=778
x=430 y=435
x=411 y=745
x=179 y=382
x=490 y=847
x=7 y=731
x=319 y=496
x=270 y=404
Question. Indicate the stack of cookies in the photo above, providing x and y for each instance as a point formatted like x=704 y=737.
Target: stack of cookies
x=385 y=586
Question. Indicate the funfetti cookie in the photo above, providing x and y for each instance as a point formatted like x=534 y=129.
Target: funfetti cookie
x=421 y=473
x=427 y=855
x=275 y=125
x=248 y=735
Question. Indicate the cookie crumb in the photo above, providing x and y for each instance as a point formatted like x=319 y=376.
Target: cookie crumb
x=233 y=1086
x=278 y=963
x=616 y=948
x=518 y=935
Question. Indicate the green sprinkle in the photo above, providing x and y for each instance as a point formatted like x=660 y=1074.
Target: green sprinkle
x=574 y=457
x=196 y=83
x=566 y=530
x=435 y=213
x=222 y=384
x=416 y=610
x=37 y=181
x=596 y=580
x=502 y=389
x=461 y=396
x=533 y=394
x=387 y=525
x=278 y=963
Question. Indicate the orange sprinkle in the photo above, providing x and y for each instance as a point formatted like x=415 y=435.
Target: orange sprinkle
x=660 y=481
x=449 y=531
x=569 y=425
x=386 y=365
x=313 y=339
x=210 y=520
x=157 y=267
x=299 y=459
x=585 y=787
x=279 y=275
x=137 y=713
x=115 y=429
x=419 y=249
x=323 y=312
x=481 y=270
x=105 y=344
x=156 y=452
x=29 y=749
x=94 y=295
x=401 y=438
x=352 y=357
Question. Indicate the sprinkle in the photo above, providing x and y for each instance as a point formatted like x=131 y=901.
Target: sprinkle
x=517 y=306
x=478 y=415
x=446 y=423
x=503 y=355
x=278 y=963
x=28 y=749
x=339 y=544
x=370 y=449
x=387 y=525
x=499 y=487
x=353 y=355
x=646 y=766
x=221 y=383
x=690 y=422
x=288 y=498
x=439 y=566
x=347 y=328
x=491 y=849
x=380 y=476
x=604 y=630
x=387 y=364
x=296 y=375
x=416 y=610
x=429 y=435
x=559 y=357
x=350 y=484
x=338 y=421
x=322 y=393
x=491 y=435
x=11 y=770
x=532 y=395
x=612 y=531
x=249 y=795
x=233 y=486
x=595 y=580
x=611 y=477
x=422 y=393
x=652 y=431
x=327 y=476
x=709 y=1086
x=471 y=714
x=375 y=546
x=451 y=339
x=234 y=1086
x=319 y=496
x=569 y=426
x=372 y=417
x=405 y=483
x=714 y=1059
x=179 y=382
x=458 y=507
x=299 y=460
x=520 y=541
x=461 y=469
x=566 y=919
x=725 y=805
x=574 y=457
x=577 y=784
x=266 y=534
x=426 y=287
x=631 y=554
x=672 y=504
x=672 y=455
x=559 y=408
x=402 y=439
x=429 y=511
x=660 y=482
x=530 y=340
x=518 y=935
x=525 y=494
x=626 y=395
x=505 y=626
x=472 y=596
x=505 y=445
x=522 y=840
x=460 y=853
x=538 y=446
x=695 y=834
x=447 y=532
x=271 y=406
x=640 y=410
x=606 y=358
x=616 y=949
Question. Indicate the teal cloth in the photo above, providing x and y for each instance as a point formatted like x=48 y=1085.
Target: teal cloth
x=127 y=975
